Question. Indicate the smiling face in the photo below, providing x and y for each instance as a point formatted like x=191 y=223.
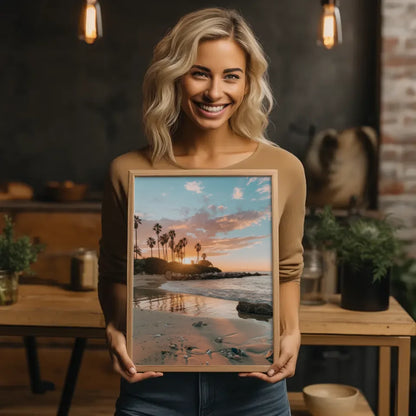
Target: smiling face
x=213 y=89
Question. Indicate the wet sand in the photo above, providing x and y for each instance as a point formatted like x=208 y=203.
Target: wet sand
x=183 y=329
x=148 y=281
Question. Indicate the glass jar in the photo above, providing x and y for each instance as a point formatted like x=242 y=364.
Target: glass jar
x=84 y=270
x=311 y=280
x=8 y=287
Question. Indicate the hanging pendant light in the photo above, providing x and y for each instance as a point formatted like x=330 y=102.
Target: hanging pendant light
x=330 y=32
x=91 y=28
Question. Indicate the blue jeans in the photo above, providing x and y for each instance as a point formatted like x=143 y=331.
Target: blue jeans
x=202 y=394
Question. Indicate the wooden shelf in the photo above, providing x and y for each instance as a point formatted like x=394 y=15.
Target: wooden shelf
x=47 y=206
x=298 y=407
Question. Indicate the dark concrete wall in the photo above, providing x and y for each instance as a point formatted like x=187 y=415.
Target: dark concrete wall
x=68 y=108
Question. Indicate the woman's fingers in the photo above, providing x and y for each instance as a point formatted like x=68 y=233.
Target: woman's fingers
x=125 y=367
x=275 y=373
x=123 y=361
x=122 y=364
x=134 y=378
x=285 y=365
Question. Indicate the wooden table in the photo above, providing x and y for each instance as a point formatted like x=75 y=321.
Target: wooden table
x=329 y=324
x=53 y=311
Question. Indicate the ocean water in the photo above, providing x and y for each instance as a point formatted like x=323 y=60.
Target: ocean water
x=256 y=289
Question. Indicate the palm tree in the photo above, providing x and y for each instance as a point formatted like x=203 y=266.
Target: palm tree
x=184 y=243
x=164 y=238
x=198 y=249
x=137 y=221
x=137 y=250
x=157 y=228
x=180 y=252
x=172 y=235
x=151 y=243
x=177 y=249
x=172 y=247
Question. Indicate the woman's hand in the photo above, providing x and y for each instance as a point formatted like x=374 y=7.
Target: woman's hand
x=122 y=364
x=285 y=366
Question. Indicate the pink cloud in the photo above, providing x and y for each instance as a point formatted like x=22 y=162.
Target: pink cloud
x=204 y=224
x=221 y=247
x=237 y=221
x=215 y=208
x=203 y=227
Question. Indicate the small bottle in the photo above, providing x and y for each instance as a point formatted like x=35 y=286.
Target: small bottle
x=84 y=270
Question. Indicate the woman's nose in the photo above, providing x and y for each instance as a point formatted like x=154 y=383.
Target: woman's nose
x=213 y=92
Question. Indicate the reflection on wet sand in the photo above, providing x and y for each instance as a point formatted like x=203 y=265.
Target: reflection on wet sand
x=172 y=328
x=152 y=300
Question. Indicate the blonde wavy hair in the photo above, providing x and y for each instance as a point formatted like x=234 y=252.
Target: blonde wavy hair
x=174 y=56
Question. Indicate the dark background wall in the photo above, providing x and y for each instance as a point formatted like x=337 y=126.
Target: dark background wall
x=68 y=108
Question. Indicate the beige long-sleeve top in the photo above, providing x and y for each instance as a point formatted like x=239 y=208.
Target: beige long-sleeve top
x=291 y=208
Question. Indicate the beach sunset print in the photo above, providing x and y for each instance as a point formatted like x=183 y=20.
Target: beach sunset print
x=202 y=253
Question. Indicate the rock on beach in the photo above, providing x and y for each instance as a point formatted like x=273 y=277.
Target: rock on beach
x=255 y=308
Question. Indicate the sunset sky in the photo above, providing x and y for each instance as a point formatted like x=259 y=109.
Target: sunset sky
x=229 y=216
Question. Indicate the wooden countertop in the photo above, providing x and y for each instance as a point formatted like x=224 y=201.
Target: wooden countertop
x=330 y=318
x=55 y=308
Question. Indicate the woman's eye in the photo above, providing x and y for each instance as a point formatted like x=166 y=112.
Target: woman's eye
x=199 y=74
x=232 y=76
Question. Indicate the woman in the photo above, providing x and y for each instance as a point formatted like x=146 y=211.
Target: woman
x=206 y=102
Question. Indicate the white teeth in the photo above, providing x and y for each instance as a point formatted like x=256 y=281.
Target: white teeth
x=212 y=109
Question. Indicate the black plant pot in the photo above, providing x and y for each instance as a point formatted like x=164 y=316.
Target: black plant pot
x=360 y=293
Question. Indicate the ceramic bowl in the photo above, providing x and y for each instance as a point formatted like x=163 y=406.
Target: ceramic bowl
x=67 y=191
x=330 y=399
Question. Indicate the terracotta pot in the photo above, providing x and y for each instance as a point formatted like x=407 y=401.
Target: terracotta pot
x=9 y=283
x=360 y=293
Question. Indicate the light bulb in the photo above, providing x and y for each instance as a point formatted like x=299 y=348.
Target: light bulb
x=330 y=33
x=90 y=28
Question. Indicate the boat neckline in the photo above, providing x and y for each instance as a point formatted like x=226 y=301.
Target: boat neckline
x=252 y=155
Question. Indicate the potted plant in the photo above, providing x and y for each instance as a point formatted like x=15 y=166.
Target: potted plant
x=16 y=256
x=366 y=249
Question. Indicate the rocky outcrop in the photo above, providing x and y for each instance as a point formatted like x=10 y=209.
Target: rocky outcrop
x=209 y=275
x=263 y=309
x=154 y=265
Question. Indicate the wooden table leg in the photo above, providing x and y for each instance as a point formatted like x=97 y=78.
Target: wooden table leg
x=403 y=377
x=384 y=377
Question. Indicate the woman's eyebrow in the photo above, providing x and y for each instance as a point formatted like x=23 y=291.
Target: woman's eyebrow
x=204 y=68
x=226 y=71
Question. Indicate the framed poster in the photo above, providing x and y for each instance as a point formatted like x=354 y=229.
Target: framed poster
x=203 y=268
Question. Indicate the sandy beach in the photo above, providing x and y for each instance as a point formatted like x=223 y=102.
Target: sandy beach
x=187 y=330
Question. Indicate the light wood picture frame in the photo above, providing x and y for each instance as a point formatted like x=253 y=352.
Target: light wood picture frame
x=203 y=270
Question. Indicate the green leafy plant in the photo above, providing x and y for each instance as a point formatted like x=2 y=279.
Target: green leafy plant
x=359 y=241
x=16 y=255
x=322 y=230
